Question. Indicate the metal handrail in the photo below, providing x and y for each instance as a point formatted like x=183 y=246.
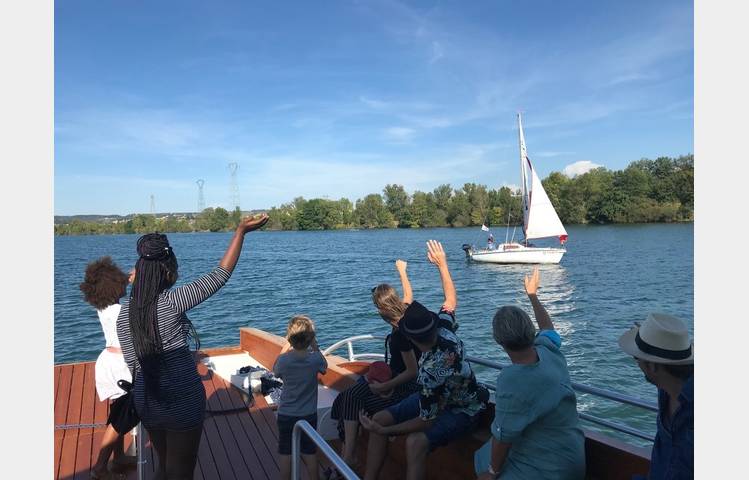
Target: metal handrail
x=367 y=356
x=615 y=396
x=600 y=421
x=348 y=341
x=296 y=438
x=600 y=392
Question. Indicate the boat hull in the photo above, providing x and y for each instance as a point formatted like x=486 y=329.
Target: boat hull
x=516 y=253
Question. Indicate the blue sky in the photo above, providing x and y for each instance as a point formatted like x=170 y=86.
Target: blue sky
x=339 y=98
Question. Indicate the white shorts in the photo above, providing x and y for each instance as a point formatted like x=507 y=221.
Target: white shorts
x=110 y=367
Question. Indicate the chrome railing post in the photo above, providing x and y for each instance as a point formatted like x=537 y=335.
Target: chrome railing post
x=139 y=450
x=350 y=352
x=302 y=426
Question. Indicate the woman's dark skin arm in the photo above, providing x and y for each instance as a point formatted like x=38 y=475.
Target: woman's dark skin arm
x=246 y=225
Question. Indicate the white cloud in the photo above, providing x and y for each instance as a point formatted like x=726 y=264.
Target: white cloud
x=579 y=168
x=400 y=134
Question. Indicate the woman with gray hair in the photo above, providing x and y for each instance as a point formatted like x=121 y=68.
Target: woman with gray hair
x=536 y=431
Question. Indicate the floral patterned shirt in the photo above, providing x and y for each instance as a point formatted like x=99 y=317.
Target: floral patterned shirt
x=445 y=379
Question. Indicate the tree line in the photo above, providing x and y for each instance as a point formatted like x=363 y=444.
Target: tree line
x=660 y=190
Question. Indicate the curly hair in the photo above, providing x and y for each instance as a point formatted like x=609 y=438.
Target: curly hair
x=104 y=283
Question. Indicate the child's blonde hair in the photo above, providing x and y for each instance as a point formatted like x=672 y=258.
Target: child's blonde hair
x=300 y=332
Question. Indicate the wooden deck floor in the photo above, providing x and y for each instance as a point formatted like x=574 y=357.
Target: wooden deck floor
x=239 y=434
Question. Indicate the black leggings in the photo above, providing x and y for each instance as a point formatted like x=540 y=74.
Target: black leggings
x=177 y=452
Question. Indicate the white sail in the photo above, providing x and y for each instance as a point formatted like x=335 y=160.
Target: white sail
x=543 y=220
x=540 y=220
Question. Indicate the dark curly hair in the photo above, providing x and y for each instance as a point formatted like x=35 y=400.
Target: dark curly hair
x=104 y=283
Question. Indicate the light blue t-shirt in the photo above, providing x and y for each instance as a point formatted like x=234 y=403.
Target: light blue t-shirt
x=299 y=374
x=536 y=411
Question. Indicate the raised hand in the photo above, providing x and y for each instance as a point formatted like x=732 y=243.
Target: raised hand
x=248 y=224
x=436 y=254
x=401 y=265
x=531 y=282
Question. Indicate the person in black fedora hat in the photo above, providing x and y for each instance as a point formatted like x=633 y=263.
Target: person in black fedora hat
x=449 y=400
x=665 y=354
x=373 y=395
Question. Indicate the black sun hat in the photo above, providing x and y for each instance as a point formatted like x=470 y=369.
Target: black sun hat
x=418 y=322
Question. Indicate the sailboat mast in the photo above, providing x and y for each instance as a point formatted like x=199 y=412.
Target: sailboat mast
x=523 y=174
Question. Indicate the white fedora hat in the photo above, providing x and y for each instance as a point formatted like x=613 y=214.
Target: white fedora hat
x=660 y=339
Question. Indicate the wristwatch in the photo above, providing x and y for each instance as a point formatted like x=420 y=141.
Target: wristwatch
x=495 y=475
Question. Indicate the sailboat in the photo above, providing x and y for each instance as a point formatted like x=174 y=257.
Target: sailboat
x=540 y=220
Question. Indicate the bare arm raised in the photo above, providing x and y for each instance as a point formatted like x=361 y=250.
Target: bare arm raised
x=246 y=225
x=408 y=295
x=531 y=287
x=436 y=255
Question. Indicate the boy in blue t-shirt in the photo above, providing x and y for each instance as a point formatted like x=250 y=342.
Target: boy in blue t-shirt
x=297 y=365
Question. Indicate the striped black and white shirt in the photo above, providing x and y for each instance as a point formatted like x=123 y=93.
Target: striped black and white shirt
x=182 y=397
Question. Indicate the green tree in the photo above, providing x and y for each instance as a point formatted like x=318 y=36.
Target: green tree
x=459 y=210
x=343 y=213
x=235 y=218
x=442 y=196
x=316 y=214
x=213 y=219
x=398 y=202
x=372 y=212
x=143 y=224
x=421 y=208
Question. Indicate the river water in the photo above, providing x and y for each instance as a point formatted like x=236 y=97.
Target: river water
x=610 y=277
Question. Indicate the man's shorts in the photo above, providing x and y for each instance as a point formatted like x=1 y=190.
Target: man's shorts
x=285 y=428
x=448 y=425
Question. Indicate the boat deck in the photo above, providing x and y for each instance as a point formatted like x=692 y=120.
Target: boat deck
x=239 y=435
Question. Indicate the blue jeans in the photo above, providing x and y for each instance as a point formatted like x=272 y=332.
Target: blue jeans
x=447 y=426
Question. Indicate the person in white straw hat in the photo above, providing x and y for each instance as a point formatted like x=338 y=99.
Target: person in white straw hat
x=665 y=354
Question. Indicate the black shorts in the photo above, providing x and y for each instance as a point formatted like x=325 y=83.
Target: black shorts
x=285 y=427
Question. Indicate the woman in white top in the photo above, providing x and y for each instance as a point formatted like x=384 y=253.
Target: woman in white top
x=103 y=286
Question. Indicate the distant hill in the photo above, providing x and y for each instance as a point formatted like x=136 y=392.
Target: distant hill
x=64 y=219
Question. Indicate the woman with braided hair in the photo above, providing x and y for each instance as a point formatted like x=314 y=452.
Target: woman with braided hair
x=153 y=331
